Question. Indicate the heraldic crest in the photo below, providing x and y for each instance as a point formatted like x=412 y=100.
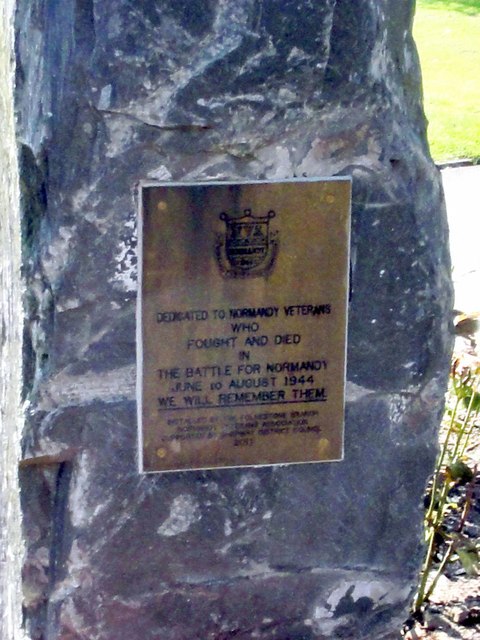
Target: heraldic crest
x=247 y=248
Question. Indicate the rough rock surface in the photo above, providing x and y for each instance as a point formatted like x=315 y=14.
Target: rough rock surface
x=109 y=93
x=10 y=343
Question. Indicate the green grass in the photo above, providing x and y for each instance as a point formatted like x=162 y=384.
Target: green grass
x=468 y=7
x=447 y=33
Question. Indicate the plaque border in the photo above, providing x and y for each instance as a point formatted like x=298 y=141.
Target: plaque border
x=146 y=184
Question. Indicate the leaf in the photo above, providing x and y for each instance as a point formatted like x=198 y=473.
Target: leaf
x=469 y=559
x=460 y=472
x=467 y=398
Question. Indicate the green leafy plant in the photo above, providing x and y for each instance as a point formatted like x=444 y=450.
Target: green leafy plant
x=451 y=490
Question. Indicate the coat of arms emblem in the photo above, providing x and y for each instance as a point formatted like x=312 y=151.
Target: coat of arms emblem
x=248 y=247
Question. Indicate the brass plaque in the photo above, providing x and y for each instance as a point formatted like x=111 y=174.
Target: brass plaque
x=242 y=319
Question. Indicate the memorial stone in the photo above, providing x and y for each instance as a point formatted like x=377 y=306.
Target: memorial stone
x=10 y=343
x=114 y=96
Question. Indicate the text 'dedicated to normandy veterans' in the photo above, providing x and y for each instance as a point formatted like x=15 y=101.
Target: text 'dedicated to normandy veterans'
x=242 y=323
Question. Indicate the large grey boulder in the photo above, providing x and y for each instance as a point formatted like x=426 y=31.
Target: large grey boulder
x=11 y=549
x=110 y=93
